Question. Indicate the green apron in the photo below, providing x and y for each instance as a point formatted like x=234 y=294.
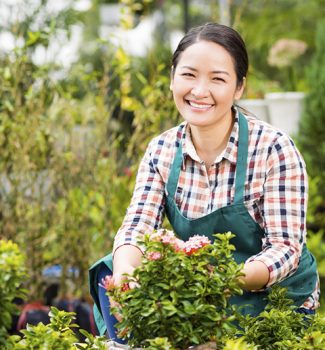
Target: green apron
x=234 y=218
x=248 y=240
x=93 y=286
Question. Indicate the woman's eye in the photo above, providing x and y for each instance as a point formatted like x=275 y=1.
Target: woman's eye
x=218 y=79
x=188 y=74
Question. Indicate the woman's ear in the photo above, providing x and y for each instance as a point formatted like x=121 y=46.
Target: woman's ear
x=171 y=78
x=240 y=89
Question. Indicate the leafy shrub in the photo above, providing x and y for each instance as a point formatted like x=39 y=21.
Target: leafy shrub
x=312 y=129
x=12 y=274
x=58 y=335
x=183 y=291
x=63 y=190
x=280 y=327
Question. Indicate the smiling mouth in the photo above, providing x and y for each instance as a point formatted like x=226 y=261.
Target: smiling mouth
x=199 y=105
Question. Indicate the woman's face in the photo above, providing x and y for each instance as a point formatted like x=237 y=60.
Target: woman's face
x=204 y=84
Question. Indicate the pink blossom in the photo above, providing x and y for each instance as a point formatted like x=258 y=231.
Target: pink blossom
x=154 y=255
x=107 y=283
x=165 y=236
x=179 y=245
x=125 y=287
x=168 y=237
x=195 y=243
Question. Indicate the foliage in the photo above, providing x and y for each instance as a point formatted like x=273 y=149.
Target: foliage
x=183 y=291
x=63 y=189
x=262 y=23
x=190 y=275
x=238 y=344
x=311 y=138
x=12 y=274
x=154 y=111
x=281 y=327
x=312 y=130
x=316 y=245
x=58 y=334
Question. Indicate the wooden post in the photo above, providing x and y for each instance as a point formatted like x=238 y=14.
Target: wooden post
x=186 y=15
x=224 y=11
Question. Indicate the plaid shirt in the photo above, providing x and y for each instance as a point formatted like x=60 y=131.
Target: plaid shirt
x=275 y=192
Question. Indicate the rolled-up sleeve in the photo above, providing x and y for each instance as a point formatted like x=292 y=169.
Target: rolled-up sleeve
x=146 y=210
x=283 y=210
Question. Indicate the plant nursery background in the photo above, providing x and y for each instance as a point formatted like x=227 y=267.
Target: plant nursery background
x=84 y=85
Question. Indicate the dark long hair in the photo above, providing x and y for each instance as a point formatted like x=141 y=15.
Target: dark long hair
x=222 y=35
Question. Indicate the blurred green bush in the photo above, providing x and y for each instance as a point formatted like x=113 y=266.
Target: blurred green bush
x=12 y=275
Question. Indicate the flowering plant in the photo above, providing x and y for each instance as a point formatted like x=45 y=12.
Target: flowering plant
x=283 y=54
x=182 y=293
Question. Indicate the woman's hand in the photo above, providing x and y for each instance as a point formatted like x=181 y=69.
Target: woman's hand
x=120 y=275
x=126 y=259
x=118 y=279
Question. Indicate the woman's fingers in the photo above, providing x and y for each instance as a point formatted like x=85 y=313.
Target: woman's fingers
x=117 y=315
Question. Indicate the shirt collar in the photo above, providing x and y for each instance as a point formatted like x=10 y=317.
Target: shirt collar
x=229 y=153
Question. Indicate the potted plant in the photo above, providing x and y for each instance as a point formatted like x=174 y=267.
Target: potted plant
x=182 y=294
x=285 y=108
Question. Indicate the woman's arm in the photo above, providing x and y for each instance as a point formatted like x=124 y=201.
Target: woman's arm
x=283 y=209
x=256 y=275
x=144 y=215
x=126 y=259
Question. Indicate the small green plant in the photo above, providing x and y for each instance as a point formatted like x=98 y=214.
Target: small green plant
x=238 y=344
x=12 y=273
x=57 y=335
x=183 y=291
x=91 y=342
x=280 y=327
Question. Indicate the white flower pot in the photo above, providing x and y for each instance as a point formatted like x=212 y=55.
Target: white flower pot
x=258 y=107
x=285 y=110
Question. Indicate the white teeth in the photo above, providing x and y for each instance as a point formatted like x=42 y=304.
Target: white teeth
x=201 y=106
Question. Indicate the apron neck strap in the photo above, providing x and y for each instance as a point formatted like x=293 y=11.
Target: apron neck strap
x=242 y=157
x=240 y=166
x=175 y=171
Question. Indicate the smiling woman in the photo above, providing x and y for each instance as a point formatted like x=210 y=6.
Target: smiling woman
x=218 y=171
x=204 y=86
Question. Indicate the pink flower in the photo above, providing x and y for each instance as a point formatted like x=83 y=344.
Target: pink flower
x=165 y=236
x=179 y=245
x=168 y=237
x=107 y=283
x=125 y=287
x=195 y=243
x=154 y=255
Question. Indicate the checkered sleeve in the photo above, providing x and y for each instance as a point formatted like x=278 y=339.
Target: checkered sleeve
x=145 y=212
x=283 y=210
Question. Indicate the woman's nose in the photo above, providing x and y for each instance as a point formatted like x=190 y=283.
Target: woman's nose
x=200 y=90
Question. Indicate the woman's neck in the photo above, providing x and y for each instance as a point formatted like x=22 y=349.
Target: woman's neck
x=209 y=142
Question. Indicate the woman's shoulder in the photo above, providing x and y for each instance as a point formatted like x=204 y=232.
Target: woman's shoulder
x=168 y=140
x=265 y=133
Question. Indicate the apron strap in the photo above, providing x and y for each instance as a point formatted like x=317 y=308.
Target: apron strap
x=175 y=171
x=242 y=158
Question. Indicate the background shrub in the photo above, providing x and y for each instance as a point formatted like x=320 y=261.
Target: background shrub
x=12 y=274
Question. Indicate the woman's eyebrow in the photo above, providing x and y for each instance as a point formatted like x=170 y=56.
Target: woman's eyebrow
x=213 y=72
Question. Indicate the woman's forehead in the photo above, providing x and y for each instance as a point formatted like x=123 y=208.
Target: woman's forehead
x=207 y=55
